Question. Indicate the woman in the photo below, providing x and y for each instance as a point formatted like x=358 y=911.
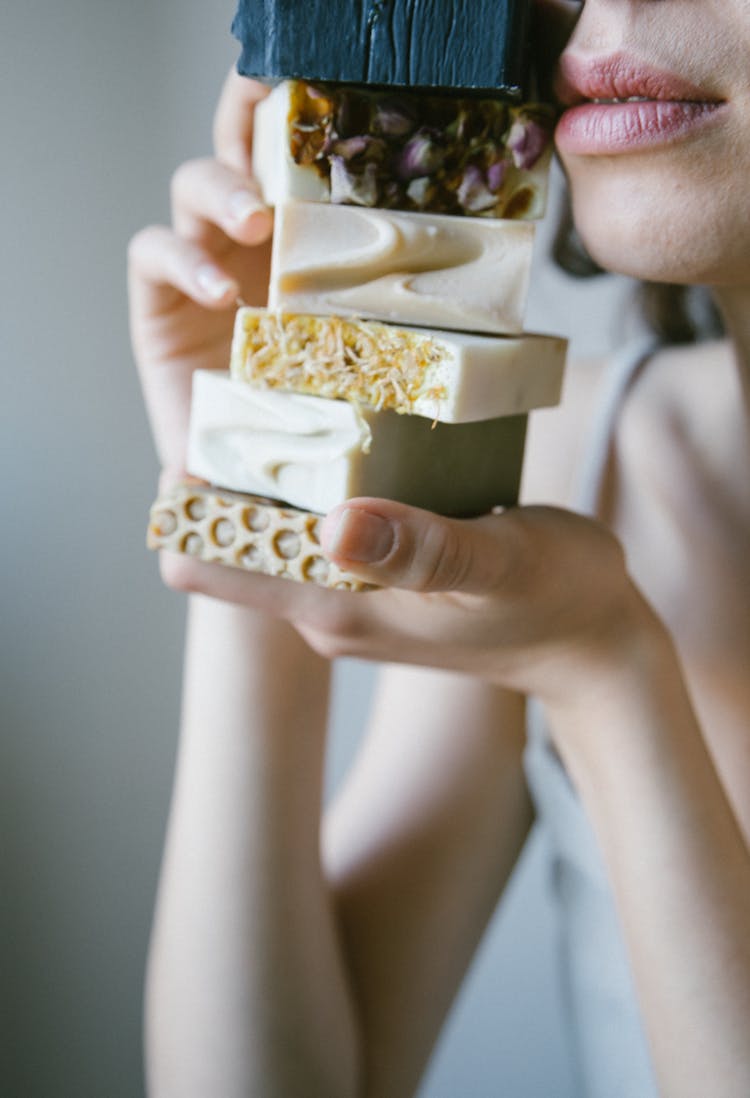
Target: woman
x=277 y=970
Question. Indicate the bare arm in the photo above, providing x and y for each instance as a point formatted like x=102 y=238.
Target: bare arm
x=267 y=977
x=678 y=861
x=669 y=795
x=246 y=990
x=418 y=848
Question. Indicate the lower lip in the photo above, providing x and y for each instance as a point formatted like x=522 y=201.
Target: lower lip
x=606 y=129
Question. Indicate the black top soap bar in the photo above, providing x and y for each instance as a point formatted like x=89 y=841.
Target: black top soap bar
x=478 y=44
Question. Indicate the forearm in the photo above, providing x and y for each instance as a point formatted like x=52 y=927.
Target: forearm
x=678 y=863
x=246 y=993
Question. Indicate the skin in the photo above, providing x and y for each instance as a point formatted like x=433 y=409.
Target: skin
x=283 y=965
x=696 y=180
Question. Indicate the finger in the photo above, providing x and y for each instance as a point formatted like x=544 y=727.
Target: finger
x=276 y=595
x=233 y=121
x=213 y=203
x=390 y=544
x=162 y=267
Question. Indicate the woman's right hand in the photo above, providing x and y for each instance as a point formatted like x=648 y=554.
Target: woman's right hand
x=184 y=280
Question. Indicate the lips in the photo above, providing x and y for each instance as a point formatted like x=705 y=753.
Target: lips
x=617 y=104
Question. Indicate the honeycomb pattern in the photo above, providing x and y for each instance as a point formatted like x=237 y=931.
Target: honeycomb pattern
x=245 y=532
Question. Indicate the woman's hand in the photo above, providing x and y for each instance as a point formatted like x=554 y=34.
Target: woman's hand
x=535 y=599
x=526 y=598
x=184 y=280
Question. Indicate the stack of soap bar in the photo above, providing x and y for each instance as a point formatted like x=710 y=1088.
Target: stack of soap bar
x=414 y=43
x=391 y=360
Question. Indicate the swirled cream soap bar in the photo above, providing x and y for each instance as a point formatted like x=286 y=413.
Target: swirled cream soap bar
x=315 y=453
x=415 y=152
x=452 y=272
x=451 y=377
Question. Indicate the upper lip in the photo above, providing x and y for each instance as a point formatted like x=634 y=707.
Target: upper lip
x=617 y=76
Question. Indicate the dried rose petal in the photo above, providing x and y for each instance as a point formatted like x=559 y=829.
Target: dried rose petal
x=473 y=193
x=362 y=146
x=421 y=155
x=349 y=147
x=459 y=128
x=496 y=173
x=357 y=188
x=418 y=190
x=392 y=120
x=527 y=140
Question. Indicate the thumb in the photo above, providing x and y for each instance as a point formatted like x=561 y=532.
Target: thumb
x=392 y=545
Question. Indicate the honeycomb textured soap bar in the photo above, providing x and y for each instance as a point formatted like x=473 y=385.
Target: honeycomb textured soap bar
x=421 y=43
x=245 y=532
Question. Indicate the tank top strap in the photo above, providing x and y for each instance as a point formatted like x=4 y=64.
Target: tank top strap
x=616 y=383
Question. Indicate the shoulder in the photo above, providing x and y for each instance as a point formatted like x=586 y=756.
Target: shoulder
x=680 y=422
x=678 y=415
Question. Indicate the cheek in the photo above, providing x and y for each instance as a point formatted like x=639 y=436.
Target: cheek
x=676 y=225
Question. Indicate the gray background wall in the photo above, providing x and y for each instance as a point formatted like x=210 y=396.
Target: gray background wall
x=99 y=101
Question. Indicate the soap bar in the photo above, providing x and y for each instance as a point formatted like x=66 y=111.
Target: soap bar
x=467 y=157
x=247 y=532
x=315 y=453
x=430 y=43
x=453 y=272
x=451 y=377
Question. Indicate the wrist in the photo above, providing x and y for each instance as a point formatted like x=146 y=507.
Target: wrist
x=614 y=683
x=250 y=675
x=630 y=717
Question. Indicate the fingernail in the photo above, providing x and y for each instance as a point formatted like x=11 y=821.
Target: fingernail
x=361 y=536
x=242 y=205
x=214 y=282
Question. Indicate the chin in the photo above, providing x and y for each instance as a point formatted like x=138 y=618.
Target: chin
x=661 y=229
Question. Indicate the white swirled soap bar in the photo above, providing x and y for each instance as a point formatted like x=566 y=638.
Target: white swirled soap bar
x=448 y=272
x=315 y=453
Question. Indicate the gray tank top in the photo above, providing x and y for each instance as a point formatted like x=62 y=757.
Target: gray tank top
x=609 y=1049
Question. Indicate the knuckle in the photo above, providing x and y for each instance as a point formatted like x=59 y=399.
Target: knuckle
x=340 y=620
x=141 y=243
x=182 y=573
x=325 y=645
x=336 y=630
x=454 y=562
x=440 y=560
x=184 y=177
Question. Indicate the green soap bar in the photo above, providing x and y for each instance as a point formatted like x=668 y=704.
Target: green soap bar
x=459 y=469
x=315 y=453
